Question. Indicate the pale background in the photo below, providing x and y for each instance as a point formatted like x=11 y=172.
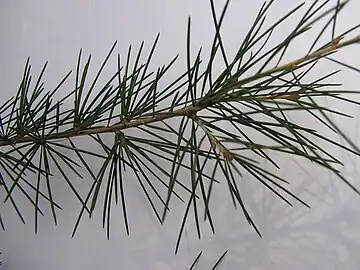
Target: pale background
x=325 y=237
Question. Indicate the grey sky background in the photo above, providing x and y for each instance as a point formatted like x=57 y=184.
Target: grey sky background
x=325 y=237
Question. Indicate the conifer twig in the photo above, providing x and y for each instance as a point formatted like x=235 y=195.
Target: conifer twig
x=35 y=128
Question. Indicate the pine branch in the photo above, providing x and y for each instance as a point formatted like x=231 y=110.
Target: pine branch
x=190 y=109
x=35 y=128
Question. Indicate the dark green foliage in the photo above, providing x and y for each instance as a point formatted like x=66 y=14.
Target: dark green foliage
x=35 y=128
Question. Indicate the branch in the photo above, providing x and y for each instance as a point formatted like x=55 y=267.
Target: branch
x=190 y=109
